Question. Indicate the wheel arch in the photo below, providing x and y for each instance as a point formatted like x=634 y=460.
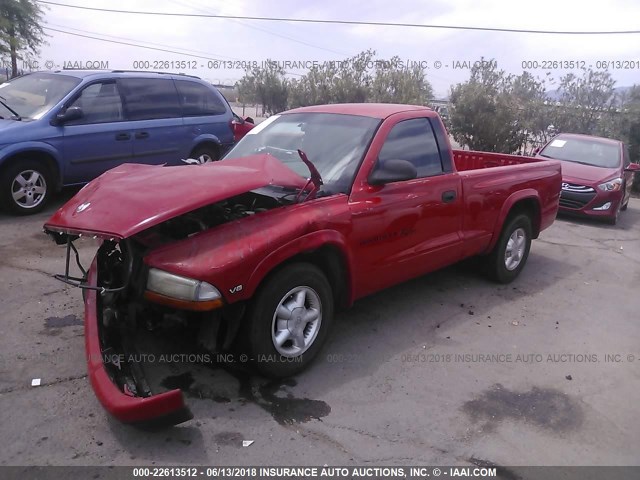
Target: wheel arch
x=206 y=141
x=43 y=153
x=525 y=201
x=324 y=249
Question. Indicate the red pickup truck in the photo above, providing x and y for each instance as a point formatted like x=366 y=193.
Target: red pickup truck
x=312 y=210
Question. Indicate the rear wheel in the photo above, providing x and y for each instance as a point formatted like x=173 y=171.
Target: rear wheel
x=289 y=320
x=510 y=254
x=206 y=154
x=25 y=187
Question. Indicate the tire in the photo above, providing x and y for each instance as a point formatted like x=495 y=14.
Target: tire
x=282 y=292
x=613 y=220
x=25 y=187
x=206 y=154
x=626 y=205
x=514 y=241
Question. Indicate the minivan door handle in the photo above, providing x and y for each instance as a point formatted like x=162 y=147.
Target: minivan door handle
x=123 y=136
x=448 y=196
x=142 y=135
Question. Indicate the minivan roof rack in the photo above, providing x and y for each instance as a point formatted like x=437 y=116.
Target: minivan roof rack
x=151 y=71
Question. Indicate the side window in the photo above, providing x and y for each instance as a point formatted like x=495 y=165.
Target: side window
x=100 y=103
x=414 y=141
x=198 y=99
x=150 y=98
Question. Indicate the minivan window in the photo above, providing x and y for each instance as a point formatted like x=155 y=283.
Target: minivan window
x=100 y=102
x=150 y=98
x=34 y=94
x=198 y=99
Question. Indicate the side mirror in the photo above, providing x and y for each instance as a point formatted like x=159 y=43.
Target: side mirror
x=70 y=114
x=393 y=171
x=632 y=167
x=536 y=150
x=249 y=119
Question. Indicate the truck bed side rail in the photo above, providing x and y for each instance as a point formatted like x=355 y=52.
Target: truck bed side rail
x=472 y=160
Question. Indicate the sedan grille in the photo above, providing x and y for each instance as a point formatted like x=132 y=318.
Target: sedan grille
x=574 y=187
x=575 y=196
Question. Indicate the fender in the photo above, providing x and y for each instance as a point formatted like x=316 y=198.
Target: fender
x=16 y=148
x=506 y=208
x=303 y=244
x=205 y=138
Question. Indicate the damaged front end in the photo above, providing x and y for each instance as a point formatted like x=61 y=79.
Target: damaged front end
x=127 y=302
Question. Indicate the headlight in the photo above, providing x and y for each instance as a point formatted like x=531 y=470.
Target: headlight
x=181 y=292
x=612 y=185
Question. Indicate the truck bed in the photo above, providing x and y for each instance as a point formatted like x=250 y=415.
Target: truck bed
x=472 y=160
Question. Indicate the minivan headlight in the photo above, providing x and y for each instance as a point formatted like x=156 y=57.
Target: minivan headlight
x=181 y=292
x=612 y=185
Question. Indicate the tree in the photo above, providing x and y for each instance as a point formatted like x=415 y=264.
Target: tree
x=392 y=84
x=21 y=33
x=267 y=86
x=344 y=81
x=484 y=111
x=588 y=102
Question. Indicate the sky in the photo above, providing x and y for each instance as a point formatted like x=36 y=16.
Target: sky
x=447 y=54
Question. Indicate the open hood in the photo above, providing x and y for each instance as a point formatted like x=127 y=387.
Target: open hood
x=131 y=198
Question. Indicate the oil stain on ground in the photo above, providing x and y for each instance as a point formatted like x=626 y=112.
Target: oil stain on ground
x=546 y=408
x=285 y=408
x=60 y=322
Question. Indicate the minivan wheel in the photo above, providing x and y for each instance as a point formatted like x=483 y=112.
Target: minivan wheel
x=25 y=187
x=510 y=254
x=289 y=320
x=205 y=154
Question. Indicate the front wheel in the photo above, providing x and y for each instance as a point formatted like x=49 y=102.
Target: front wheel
x=510 y=254
x=205 y=154
x=289 y=320
x=25 y=187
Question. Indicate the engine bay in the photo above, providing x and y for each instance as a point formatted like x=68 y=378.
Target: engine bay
x=210 y=216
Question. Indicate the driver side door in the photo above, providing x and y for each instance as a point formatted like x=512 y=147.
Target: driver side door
x=407 y=228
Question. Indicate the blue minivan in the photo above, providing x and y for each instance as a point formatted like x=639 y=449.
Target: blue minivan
x=67 y=127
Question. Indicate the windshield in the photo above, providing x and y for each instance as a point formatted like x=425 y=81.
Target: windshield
x=33 y=95
x=583 y=150
x=334 y=143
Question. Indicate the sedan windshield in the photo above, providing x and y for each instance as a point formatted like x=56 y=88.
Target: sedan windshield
x=583 y=150
x=33 y=95
x=334 y=143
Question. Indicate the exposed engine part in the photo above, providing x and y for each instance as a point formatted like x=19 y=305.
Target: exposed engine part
x=211 y=216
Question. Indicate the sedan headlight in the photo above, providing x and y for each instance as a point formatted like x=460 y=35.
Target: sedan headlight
x=612 y=185
x=181 y=292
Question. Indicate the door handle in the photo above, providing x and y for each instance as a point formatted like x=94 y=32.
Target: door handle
x=140 y=135
x=123 y=136
x=449 y=196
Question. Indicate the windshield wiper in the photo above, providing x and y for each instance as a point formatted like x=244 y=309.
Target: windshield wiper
x=16 y=115
x=315 y=178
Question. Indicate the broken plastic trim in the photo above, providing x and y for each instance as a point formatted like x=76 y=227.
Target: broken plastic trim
x=82 y=282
